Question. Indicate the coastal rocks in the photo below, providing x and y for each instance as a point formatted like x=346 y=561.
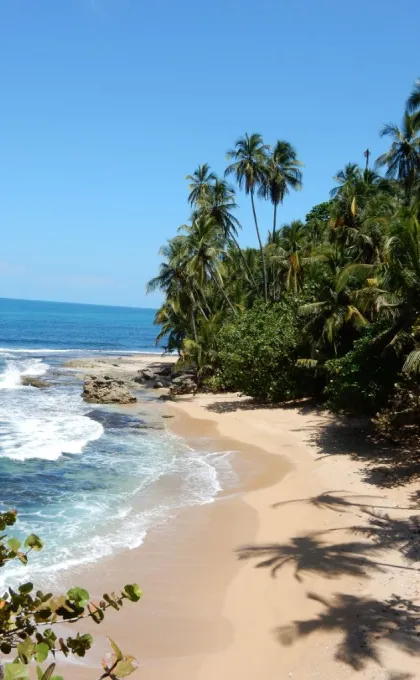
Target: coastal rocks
x=106 y=390
x=183 y=384
x=29 y=381
x=157 y=376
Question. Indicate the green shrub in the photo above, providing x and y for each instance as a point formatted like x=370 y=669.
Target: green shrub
x=258 y=352
x=362 y=380
x=27 y=614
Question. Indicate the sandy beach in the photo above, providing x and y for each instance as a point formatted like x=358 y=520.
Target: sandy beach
x=309 y=570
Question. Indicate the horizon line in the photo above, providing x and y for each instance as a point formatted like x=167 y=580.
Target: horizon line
x=67 y=302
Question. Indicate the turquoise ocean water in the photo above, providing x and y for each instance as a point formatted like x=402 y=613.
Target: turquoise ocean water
x=80 y=475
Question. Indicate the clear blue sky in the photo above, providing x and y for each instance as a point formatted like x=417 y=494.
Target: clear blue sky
x=106 y=105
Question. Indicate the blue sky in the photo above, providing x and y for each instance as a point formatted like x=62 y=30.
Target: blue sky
x=107 y=104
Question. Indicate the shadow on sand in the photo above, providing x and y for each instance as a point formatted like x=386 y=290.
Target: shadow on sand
x=363 y=623
x=387 y=465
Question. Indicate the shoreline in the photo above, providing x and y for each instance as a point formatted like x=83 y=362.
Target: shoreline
x=321 y=602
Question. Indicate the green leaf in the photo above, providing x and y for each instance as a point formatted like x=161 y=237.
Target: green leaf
x=16 y=671
x=78 y=595
x=22 y=558
x=116 y=649
x=125 y=667
x=133 y=592
x=26 y=588
x=33 y=541
x=26 y=649
x=5 y=647
x=42 y=651
x=48 y=673
x=14 y=544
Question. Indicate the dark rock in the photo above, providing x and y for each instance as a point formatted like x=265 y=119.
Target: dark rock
x=106 y=390
x=28 y=381
x=147 y=374
x=183 y=384
x=116 y=419
x=165 y=370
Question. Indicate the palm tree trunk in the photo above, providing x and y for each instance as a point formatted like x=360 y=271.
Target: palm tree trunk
x=193 y=325
x=222 y=290
x=261 y=248
x=248 y=271
x=196 y=302
x=274 y=221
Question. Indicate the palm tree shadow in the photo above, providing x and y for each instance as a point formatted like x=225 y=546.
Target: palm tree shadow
x=330 y=500
x=390 y=533
x=364 y=623
x=304 y=406
x=387 y=465
x=309 y=554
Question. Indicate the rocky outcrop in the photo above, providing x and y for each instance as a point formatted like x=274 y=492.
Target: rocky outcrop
x=156 y=376
x=29 y=381
x=106 y=390
x=163 y=376
x=183 y=384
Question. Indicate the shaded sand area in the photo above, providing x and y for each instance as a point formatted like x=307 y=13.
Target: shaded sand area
x=309 y=570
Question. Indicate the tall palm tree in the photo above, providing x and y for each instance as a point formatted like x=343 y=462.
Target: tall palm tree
x=344 y=178
x=334 y=319
x=203 y=249
x=285 y=249
x=249 y=168
x=403 y=157
x=219 y=203
x=200 y=181
x=283 y=174
x=180 y=287
x=413 y=103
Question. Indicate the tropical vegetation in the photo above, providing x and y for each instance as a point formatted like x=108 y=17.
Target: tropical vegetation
x=328 y=304
x=30 y=620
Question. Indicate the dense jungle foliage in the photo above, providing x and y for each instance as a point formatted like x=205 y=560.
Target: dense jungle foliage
x=327 y=305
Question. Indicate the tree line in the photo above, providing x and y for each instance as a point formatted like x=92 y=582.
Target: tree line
x=328 y=305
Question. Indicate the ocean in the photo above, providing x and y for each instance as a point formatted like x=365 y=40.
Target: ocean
x=79 y=474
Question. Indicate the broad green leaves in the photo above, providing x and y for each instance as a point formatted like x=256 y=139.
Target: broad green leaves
x=16 y=671
x=14 y=544
x=34 y=542
x=133 y=592
x=78 y=595
x=25 y=615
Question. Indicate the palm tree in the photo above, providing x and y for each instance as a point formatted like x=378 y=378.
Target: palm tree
x=413 y=103
x=180 y=287
x=334 y=319
x=285 y=252
x=203 y=246
x=218 y=203
x=249 y=168
x=403 y=157
x=283 y=174
x=200 y=181
x=344 y=178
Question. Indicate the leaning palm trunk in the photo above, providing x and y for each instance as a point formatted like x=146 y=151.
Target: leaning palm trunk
x=261 y=248
x=222 y=290
x=194 y=328
x=248 y=271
